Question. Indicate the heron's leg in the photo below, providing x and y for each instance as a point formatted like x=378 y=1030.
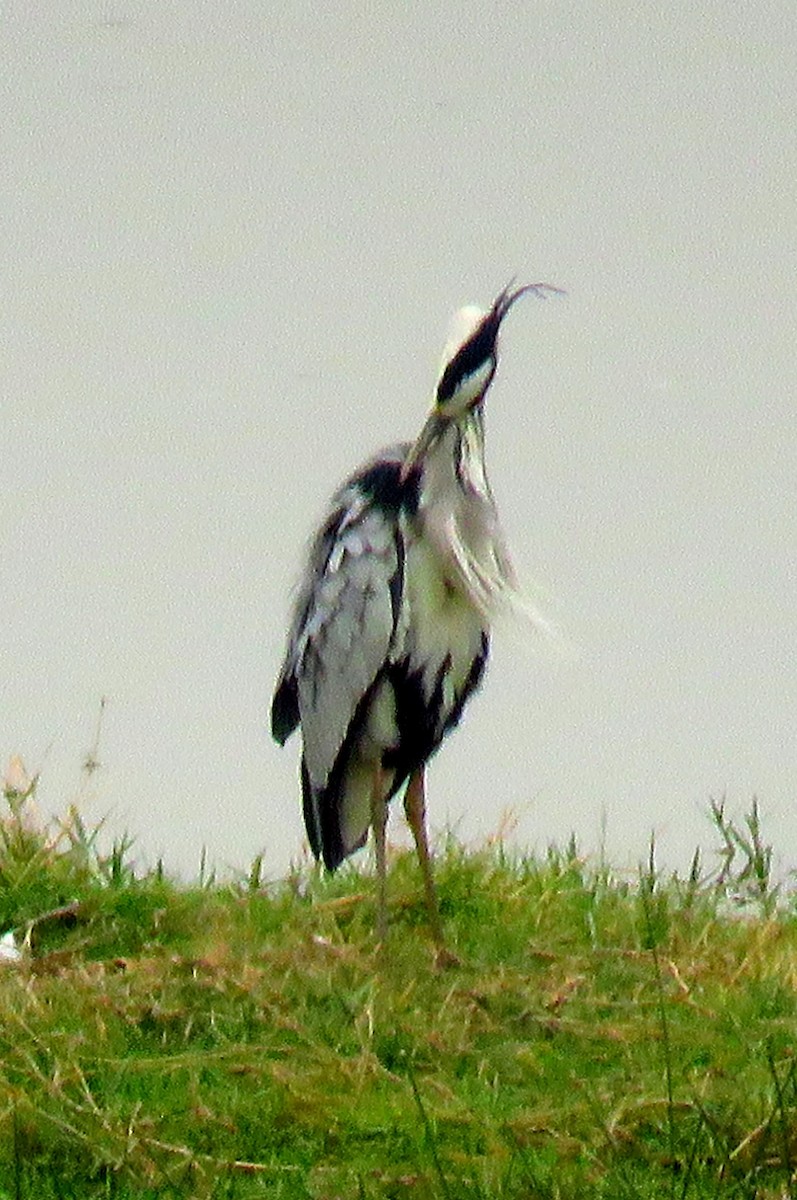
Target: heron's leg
x=379 y=825
x=415 y=808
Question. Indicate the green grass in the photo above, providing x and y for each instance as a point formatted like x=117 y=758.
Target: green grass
x=602 y=1037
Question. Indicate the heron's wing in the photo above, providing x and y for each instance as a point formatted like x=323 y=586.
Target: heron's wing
x=343 y=627
x=285 y=705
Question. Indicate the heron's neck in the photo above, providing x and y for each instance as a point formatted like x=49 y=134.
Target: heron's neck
x=458 y=518
x=454 y=475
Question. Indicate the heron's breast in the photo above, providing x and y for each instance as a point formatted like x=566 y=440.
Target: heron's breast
x=441 y=623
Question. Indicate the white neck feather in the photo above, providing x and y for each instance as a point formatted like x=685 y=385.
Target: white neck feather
x=458 y=515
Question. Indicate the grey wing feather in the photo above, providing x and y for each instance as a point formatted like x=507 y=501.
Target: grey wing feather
x=342 y=630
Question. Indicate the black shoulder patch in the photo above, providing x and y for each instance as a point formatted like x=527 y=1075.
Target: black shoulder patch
x=381 y=482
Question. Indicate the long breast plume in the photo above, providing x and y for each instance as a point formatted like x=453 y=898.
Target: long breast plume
x=488 y=577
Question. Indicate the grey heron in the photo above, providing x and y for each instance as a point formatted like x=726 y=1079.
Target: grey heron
x=391 y=627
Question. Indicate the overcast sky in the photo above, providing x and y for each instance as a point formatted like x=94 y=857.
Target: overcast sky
x=232 y=238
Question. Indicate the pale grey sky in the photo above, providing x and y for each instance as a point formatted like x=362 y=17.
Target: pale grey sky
x=232 y=238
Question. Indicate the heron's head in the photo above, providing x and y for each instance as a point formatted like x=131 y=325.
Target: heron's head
x=469 y=362
x=471 y=355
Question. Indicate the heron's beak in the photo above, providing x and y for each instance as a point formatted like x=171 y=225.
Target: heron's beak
x=510 y=294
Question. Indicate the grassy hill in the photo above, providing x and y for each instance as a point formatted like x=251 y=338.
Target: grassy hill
x=602 y=1036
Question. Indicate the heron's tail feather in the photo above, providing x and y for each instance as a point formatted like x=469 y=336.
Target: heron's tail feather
x=338 y=816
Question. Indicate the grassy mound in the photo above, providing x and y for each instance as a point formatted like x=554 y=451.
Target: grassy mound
x=602 y=1036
